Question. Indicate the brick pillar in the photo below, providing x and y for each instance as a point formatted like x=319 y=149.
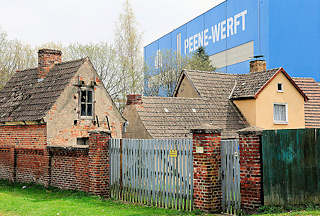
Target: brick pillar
x=206 y=168
x=99 y=169
x=13 y=164
x=251 y=186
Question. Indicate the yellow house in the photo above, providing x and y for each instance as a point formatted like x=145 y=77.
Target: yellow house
x=269 y=99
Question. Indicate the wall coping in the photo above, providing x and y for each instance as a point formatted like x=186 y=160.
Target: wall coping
x=104 y=132
x=250 y=130
x=68 y=148
x=206 y=128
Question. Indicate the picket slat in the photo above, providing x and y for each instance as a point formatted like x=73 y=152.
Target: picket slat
x=231 y=176
x=150 y=174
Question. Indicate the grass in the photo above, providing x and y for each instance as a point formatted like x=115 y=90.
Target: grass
x=307 y=209
x=37 y=200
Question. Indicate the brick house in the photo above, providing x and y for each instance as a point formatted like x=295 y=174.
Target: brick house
x=268 y=99
x=56 y=104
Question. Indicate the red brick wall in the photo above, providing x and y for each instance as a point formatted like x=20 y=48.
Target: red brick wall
x=31 y=166
x=85 y=169
x=250 y=170
x=6 y=163
x=206 y=166
x=24 y=136
x=69 y=169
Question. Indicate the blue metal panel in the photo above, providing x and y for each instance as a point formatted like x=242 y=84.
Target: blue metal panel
x=294 y=37
x=286 y=32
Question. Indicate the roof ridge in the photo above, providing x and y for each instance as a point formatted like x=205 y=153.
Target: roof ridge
x=71 y=61
x=208 y=72
x=159 y=97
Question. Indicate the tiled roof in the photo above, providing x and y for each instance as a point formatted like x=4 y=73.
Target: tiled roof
x=216 y=89
x=248 y=85
x=172 y=117
x=312 y=107
x=25 y=98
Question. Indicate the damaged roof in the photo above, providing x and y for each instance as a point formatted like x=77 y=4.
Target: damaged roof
x=27 y=98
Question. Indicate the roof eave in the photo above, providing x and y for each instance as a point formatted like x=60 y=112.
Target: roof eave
x=289 y=78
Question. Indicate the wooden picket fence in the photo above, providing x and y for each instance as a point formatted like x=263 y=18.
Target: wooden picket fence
x=230 y=167
x=156 y=172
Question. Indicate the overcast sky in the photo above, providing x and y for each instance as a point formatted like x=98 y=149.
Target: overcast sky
x=41 y=21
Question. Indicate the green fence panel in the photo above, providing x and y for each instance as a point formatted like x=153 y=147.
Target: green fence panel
x=291 y=166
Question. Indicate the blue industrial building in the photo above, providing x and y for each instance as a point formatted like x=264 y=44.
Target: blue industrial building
x=285 y=32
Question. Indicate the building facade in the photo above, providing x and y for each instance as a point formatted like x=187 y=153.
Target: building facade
x=285 y=32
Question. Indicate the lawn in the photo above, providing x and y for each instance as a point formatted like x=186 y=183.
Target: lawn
x=20 y=199
x=36 y=200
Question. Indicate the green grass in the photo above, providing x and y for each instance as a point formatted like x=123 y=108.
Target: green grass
x=307 y=209
x=40 y=201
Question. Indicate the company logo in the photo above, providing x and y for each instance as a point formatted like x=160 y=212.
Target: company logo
x=218 y=32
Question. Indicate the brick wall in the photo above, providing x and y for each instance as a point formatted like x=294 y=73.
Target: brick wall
x=69 y=168
x=31 y=166
x=24 y=136
x=250 y=169
x=6 y=163
x=206 y=169
x=85 y=168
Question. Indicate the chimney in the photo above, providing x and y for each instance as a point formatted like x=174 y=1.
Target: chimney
x=47 y=58
x=134 y=99
x=258 y=66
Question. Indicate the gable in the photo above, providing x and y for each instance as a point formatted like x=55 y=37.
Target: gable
x=64 y=121
x=186 y=89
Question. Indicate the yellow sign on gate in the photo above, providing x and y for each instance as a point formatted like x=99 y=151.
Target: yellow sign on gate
x=173 y=153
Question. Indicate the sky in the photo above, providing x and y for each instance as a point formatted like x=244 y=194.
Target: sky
x=66 y=21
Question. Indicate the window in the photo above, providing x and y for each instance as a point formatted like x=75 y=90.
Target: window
x=83 y=141
x=280 y=89
x=86 y=105
x=280 y=113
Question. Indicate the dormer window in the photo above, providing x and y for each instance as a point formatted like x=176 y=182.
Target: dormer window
x=280 y=87
x=86 y=102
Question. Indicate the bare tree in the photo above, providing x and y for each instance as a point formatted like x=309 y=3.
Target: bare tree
x=129 y=53
x=168 y=66
x=103 y=58
x=14 y=56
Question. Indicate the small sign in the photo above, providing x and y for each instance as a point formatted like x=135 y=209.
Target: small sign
x=199 y=149
x=173 y=153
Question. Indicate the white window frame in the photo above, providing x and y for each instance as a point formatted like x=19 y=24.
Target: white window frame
x=86 y=103
x=277 y=121
x=281 y=87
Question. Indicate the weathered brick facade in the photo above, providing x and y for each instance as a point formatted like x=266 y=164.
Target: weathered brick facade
x=251 y=186
x=24 y=136
x=206 y=169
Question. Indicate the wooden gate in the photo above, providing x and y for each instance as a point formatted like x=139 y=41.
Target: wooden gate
x=156 y=172
x=230 y=168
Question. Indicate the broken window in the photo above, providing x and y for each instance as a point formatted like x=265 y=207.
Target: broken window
x=86 y=102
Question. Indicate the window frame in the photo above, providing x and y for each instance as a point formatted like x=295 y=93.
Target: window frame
x=281 y=87
x=87 y=89
x=286 y=109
